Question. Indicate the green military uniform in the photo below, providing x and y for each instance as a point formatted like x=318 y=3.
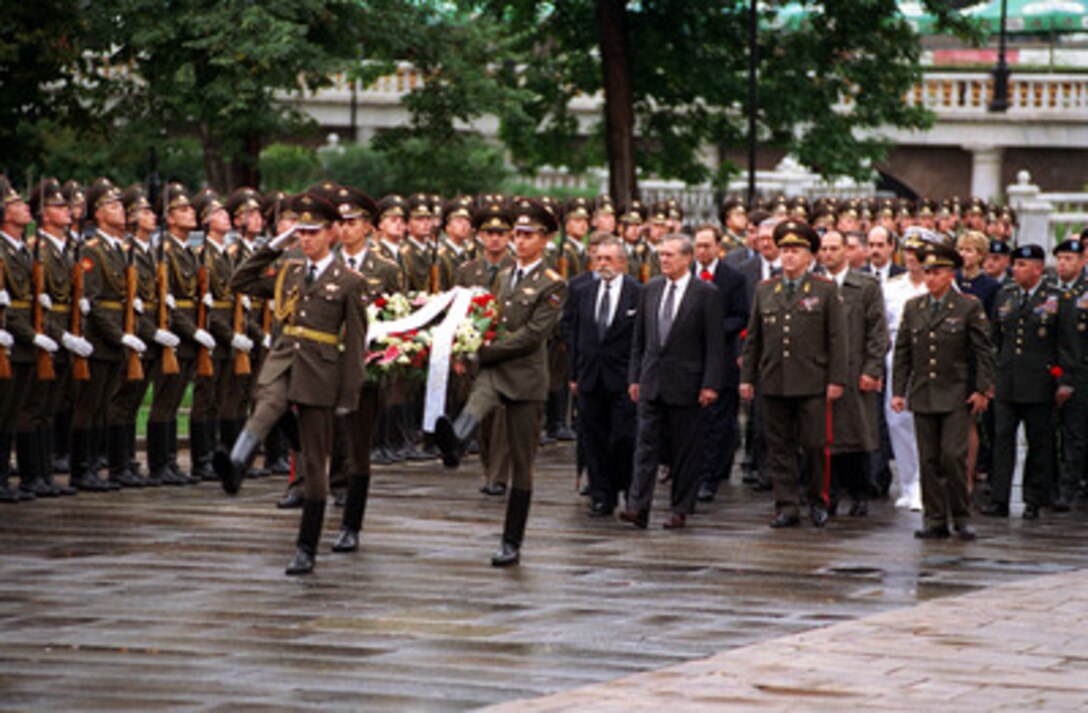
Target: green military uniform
x=514 y=372
x=796 y=346
x=315 y=365
x=1031 y=349
x=168 y=390
x=935 y=347
x=1074 y=414
x=35 y=427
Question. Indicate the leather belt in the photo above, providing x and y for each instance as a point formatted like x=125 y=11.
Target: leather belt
x=313 y=335
x=110 y=305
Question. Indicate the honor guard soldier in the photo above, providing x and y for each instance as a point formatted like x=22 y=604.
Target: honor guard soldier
x=23 y=343
x=1034 y=363
x=182 y=266
x=104 y=259
x=514 y=368
x=734 y=220
x=316 y=363
x=392 y=216
x=419 y=252
x=1073 y=285
x=458 y=245
x=604 y=215
x=641 y=261
x=141 y=268
x=493 y=224
x=213 y=385
x=998 y=262
x=796 y=351
x=941 y=335
x=35 y=429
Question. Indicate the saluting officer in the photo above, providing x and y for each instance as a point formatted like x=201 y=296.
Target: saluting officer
x=1033 y=358
x=316 y=363
x=796 y=352
x=940 y=336
x=514 y=368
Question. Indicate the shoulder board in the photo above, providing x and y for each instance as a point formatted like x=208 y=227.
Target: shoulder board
x=167 y=245
x=233 y=249
x=1009 y=287
x=31 y=242
x=820 y=278
x=91 y=243
x=553 y=275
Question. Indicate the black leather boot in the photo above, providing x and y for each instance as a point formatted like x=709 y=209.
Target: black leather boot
x=133 y=462
x=354 y=510
x=231 y=469
x=309 y=533
x=158 y=450
x=45 y=460
x=513 y=532
x=117 y=456
x=8 y=494
x=62 y=426
x=451 y=437
x=79 y=454
x=202 y=449
x=30 y=476
x=180 y=475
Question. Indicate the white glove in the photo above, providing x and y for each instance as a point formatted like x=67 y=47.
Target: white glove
x=166 y=339
x=241 y=342
x=137 y=305
x=77 y=345
x=204 y=339
x=43 y=342
x=5 y=299
x=246 y=303
x=45 y=301
x=170 y=301
x=266 y=341
x=84 y=305
x=342 y=410
x=6 y=340
x=208 y=300
x=134 y=343
x=280 y=241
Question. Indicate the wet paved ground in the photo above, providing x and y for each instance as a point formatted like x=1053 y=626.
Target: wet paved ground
x=175 y=598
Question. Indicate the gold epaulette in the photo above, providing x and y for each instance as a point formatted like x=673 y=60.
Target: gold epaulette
x=91 y=243
x=552 y=275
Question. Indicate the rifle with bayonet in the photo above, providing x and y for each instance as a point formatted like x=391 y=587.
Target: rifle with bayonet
x=5 y=361
x=81 y=368
x=242 y=367
x=203 y=355
x=45 y=359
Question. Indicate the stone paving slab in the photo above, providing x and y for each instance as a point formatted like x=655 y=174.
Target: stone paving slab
x=1021 y=646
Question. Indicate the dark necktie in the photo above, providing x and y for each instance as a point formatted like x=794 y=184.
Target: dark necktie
x=492 y=271
x=934 y=308
x=604 y=310
x=311 y=275
x=790 y=289
x=666 y=313
x=351 y=263
x=518 y=274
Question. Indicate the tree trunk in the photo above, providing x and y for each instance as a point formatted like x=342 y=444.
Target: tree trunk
x=619 y=109
x=215 y=169
x=245 y=169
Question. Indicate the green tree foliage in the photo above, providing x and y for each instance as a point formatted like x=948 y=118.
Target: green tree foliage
x=678 y=68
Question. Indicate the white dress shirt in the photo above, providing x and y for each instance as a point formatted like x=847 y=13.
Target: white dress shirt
x=614 y=288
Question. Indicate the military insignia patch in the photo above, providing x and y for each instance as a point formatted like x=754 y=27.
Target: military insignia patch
x=554 y=300
x=809 y=303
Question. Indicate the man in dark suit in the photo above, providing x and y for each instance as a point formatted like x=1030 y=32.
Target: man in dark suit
x=881 y=249
x=719 y=436
x=599 y=336
x=675 y=372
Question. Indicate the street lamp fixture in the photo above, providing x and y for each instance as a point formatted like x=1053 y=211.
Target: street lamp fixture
x=1000 y=101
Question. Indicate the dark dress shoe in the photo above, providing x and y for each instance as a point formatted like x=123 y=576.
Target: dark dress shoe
x=303 y=563
x=346 y=541
x=967 y=532
x=61 y=465
x=600 y=510
x=340 y=500
x=291 y=499
x=937 y=532
x=507 y=555
x=706 y=495
x=859 y=509
x=763 y=485
x=495 y=489
x=565 y=434
x=92 y=483
x=281 y=466
x=546 y=440
x=379 y=456
x=818 y=516
x=749 y=478
x=8 y=495
x=1061 y=505
x=1031 y=512
x=638 y=518
x=783 y=520
x=995 y=510
x=676 y=521
x=40 y=489
x=584 y=490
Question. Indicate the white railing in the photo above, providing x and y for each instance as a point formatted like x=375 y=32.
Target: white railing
x=970 y=93
x=1046 y=218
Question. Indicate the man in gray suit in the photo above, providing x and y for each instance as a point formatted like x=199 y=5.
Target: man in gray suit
x=675 y=371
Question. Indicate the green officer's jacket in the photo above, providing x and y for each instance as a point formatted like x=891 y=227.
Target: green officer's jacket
x=516 y=362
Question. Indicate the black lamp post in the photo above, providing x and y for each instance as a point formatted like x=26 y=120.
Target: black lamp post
x=753 y=101
x=1000 y=102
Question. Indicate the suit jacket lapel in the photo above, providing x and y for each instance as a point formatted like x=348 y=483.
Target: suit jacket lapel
x=678 y=315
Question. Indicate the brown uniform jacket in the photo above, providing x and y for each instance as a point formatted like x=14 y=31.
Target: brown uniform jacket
x=795 y=347
x=18 y=318
x=933 y=357
x=475 y=273
x=181 y=269
x=323 y=339
x=221 y=314
x=58 y=285
x=104 y=286
x=516 y=362
x=382 y=275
